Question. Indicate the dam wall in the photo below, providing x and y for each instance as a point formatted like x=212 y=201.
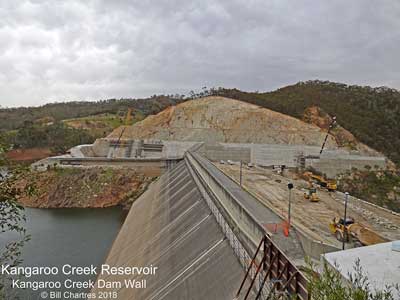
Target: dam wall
x=172 y=228
x=331 y=162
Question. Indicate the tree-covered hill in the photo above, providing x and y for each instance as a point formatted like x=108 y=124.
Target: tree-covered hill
x=15 y=118
x=371 y=114
x=56 y=127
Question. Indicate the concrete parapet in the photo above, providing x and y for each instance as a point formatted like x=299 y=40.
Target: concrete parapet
x=234 y=212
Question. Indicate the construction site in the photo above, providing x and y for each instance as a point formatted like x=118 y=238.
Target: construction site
x=234 y=177
x=313 y=217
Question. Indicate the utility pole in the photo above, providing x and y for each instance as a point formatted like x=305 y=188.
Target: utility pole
x=240 y=175
x=346 y=199
x=290 y=187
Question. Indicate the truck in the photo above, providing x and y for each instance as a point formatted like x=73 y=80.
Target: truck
x=350 y=231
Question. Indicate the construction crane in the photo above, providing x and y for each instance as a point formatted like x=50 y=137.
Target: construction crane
x=333 y=124
x=117 y=143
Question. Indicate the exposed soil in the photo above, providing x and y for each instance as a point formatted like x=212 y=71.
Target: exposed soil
x=313 y=217
x=28 y=154
x=84 y=187
x=344 y=138
x=218 y=119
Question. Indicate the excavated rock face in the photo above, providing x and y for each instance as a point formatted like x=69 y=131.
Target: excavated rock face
x=90 y=187
x=315 y=115
x=344 y=138
x=218 y=119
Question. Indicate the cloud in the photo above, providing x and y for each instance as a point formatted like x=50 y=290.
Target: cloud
x=97 y=49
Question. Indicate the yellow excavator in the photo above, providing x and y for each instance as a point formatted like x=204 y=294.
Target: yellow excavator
x=350 y=231
x=329 y=184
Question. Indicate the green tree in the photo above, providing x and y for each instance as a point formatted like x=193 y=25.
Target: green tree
x=329 y=285
x=12 y=217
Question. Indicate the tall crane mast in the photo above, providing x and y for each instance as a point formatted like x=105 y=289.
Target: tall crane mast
x=333 y=124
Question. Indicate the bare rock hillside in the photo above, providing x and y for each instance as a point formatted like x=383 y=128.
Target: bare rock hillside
x=219 y=119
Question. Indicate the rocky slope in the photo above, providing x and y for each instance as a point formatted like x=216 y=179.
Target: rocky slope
x=370 y=114
x=344 y=138
x=381 y=187
x=93 y=187
x=219 y=119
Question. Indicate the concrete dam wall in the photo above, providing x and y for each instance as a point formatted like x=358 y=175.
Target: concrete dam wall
x=331 y=162
x=171 y=227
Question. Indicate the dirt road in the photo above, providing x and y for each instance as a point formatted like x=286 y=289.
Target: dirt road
x=312 y=217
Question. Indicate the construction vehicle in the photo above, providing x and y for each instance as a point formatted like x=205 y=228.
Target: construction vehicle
x=329 y=184
x=311 y=193
x=350 y=231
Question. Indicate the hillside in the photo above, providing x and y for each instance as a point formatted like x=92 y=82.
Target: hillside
x=36 y=132
x=92 y=187
x=103 y=124
x=375 y=186
x=369 y=115
x=14 y=118
x=218 y=119
x=372 y=115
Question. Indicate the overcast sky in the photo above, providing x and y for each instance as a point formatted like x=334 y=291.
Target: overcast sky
x=89 y=50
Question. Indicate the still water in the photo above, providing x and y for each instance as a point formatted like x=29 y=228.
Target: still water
x=79 y=237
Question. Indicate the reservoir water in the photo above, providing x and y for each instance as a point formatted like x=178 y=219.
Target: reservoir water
x=79 y=237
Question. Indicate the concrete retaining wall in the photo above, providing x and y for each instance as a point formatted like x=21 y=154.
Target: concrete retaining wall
x=218 y=152
x=332 y=166
x=332 y=162
x=314 y=248
x=173 y=149
x=100 y=148
x=269 y=155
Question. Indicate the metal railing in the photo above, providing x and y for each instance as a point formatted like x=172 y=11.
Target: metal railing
x=284 y=278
